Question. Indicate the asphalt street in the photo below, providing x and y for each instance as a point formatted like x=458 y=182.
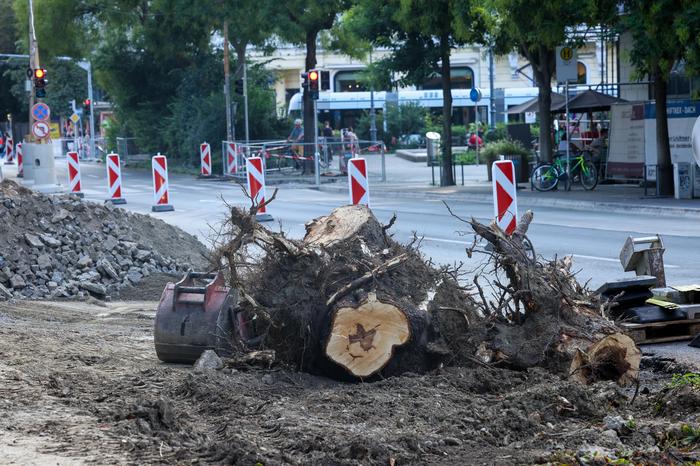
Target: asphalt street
x=593 y=237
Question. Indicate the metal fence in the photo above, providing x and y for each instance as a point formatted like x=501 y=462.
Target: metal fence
x=129 y=151
x=297 y=159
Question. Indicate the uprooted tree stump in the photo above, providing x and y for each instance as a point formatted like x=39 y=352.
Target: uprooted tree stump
x=349 y=302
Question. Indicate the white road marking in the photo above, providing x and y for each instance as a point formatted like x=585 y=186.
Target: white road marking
x=451 y=241
x=608 y=259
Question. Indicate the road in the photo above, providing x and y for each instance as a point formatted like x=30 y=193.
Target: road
x=594 y=238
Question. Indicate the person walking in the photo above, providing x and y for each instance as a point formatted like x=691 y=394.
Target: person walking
x=296 y=136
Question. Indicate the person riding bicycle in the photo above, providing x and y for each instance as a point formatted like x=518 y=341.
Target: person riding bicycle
x=297 y=136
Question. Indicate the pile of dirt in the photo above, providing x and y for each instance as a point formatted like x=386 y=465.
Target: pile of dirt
x=82 y=382
x=63 y=247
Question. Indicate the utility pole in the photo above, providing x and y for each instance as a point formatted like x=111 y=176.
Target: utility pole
x=33 y=60
x=87 y=66
x=245 y=100
x=492 y=101
x=372 y=112
x=227 y=85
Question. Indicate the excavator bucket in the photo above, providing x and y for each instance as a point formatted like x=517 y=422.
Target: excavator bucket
x=195 y=314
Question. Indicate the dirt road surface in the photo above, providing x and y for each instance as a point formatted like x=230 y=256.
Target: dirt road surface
x=80 y=384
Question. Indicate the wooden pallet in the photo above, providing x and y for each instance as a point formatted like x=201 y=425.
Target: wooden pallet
x=660 y=332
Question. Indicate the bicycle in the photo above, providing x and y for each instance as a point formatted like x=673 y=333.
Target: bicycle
x=545 y=176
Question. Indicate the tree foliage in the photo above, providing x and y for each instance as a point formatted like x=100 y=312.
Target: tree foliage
x=535 y=29
x=421 y=35
x=159 y=61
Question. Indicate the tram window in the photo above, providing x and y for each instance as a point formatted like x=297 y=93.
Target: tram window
x=348 y=81
x=461 y=78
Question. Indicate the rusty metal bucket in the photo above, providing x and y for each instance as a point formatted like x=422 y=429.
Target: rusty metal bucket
x=193 y=317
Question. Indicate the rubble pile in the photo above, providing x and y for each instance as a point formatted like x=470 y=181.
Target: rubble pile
x=63 y=247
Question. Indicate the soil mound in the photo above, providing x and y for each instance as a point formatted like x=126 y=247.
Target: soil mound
x=63 y=247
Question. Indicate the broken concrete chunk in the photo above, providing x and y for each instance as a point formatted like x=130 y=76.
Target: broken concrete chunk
x=208 y=361
x=17 y=282
x=94 y=288
x=33 y=240
x=50 y=241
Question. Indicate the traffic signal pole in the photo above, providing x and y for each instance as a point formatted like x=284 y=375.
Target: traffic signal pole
x=227 y=85
x=33 y=61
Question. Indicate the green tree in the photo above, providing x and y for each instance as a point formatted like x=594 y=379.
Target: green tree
x=657 y=47
x=421 y=35
x=687 y=26
x=535 y=28
x=303 y=21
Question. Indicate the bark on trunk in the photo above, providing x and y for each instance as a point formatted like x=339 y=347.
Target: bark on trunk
x=663 y=149
x=542 y=69
x=446 y=178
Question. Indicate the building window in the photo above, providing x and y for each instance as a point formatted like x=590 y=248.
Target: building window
x=461 y=78
x=348 y=81
x=582 y=73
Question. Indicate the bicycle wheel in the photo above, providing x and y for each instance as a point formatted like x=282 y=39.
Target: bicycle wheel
x=589 y=175
x=544 y=177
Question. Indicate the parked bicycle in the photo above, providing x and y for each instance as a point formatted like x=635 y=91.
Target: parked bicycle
x=546 y=176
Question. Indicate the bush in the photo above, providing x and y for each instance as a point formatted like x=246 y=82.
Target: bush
x=493 y=150
x=465 y=158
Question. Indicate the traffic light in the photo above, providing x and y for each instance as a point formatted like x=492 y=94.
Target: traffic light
x=304 y=81
x=86 y=104
x=325 y=80
x=314 y=79
x=239 y=86
x=40 y=82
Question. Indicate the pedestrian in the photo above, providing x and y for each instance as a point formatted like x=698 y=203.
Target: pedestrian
x=296 y=136
x=327 y=133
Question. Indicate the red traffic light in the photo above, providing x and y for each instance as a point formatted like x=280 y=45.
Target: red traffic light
x=39 y=73
x=87 y=102
x=313 y=75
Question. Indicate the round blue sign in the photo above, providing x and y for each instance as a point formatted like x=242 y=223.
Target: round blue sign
x=475 y=94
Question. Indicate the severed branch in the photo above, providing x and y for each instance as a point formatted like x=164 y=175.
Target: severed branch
x=385 y=267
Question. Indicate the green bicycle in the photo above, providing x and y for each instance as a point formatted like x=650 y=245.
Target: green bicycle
x=546 y=175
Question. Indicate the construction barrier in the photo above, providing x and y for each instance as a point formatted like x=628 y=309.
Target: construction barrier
x=74 y=186
x=256 y=187
x=114 y=180
x=9 y=151
x=161 y=196
x=20 y=161
x=505 y=201
x=205 y=158
x=230 y=158
x=358 y=182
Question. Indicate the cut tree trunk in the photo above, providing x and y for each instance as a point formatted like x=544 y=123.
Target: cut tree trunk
x=362 y=337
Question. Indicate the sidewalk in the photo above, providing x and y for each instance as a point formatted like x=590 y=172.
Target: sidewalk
x=413 y=180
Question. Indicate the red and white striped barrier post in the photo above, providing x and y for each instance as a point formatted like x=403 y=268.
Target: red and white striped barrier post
x=20 y=161
x=161 y=196
x=114 y=180
x=9 y=151
x=205 y=158
x=74 y=185
x=231 y=164
x=505 y=197
x=256 y=187
x=359 y=182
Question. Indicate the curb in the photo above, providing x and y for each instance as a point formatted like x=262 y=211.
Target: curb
x=608 y=206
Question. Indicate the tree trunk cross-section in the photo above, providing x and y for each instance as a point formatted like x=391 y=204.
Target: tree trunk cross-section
x=362 y=339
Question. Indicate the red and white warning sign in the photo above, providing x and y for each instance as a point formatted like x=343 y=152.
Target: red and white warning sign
x=505 y=198
x=114 y=180
x=74 y=173
x=9 y=151
x=205 y=157
x=20 y=161
x=359 y=183
x=231 y=165
x=256 y=182
x=161 y=196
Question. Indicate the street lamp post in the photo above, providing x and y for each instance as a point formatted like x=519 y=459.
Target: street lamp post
x=86 y=65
